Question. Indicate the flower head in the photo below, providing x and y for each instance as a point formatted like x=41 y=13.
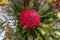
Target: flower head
x=29 y=18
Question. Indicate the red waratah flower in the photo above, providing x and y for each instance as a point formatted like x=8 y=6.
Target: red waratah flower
x=29 y=18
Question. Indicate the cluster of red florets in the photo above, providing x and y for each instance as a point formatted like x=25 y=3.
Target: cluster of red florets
x=29 y=18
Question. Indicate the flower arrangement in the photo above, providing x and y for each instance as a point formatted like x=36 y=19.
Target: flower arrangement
x=34 y=20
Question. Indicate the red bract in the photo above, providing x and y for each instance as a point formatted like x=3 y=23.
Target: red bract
x=7 y=34
x=30 y=18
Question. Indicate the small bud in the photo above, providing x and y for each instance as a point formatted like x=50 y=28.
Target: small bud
x=8 y=27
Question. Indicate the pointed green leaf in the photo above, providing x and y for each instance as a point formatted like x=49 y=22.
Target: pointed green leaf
x=31 y=4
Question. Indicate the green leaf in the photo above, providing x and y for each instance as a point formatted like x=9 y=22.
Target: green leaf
x=21 y=7
x=28 y=33
x=31 y=4
x=43 y=8
x=23 y=31
x=41 y=31
x=38 y=36
x=47 y=37
x=47 y=29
